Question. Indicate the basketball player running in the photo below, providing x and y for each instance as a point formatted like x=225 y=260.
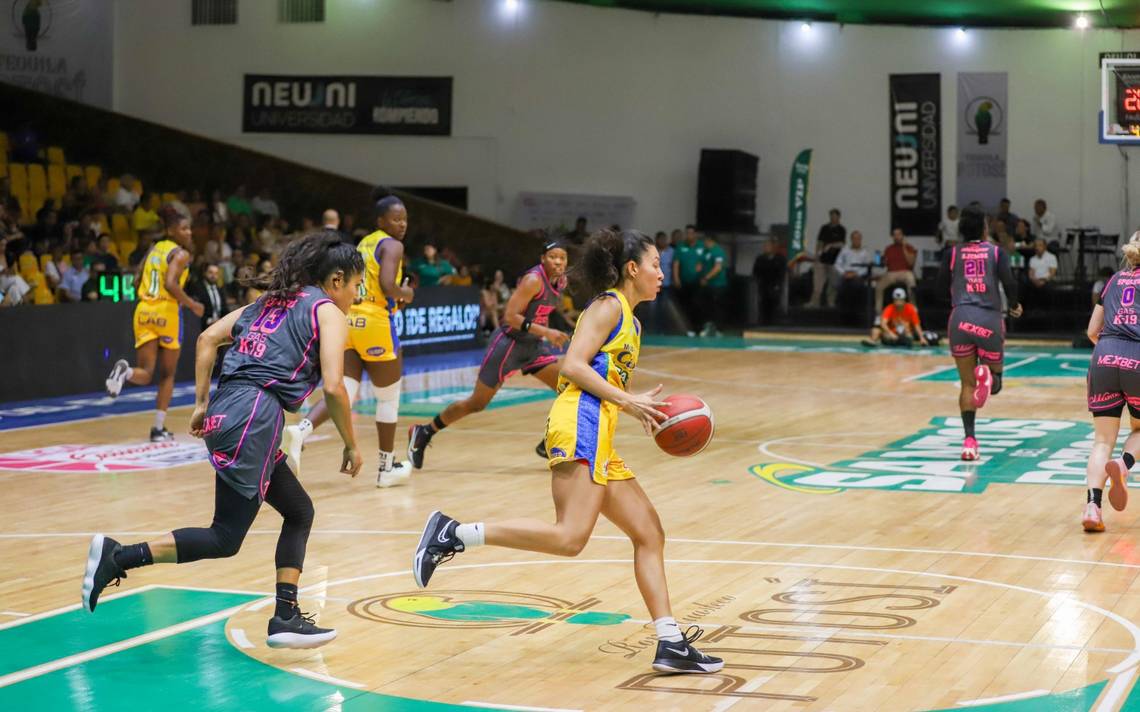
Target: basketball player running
x=373 y=345
x=287 y=341
x=517 y=346
x=972 y=271
x=589 y=478
x=158 y=320
x=1113 y=382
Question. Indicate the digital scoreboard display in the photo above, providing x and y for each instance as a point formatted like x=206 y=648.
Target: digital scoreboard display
x=1127 y=100
x=1120 y=98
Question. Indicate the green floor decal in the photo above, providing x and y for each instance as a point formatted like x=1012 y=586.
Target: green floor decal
x=428 y=403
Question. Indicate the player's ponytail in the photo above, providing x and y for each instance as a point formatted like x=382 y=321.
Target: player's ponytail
x=308 y=261
x=1131 y=250
x=606 y=253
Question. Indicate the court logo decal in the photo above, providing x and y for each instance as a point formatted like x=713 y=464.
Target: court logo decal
x=530 y=613
x=119 y=457
x=1013 y=451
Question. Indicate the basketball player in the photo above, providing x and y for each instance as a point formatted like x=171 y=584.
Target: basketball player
x=972 y=271
x=518 y=346
x=589 y=478
x=158 y=319
x=373 y=345
x=1113 y=382
x=287 y=341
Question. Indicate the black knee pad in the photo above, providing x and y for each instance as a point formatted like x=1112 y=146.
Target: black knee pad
x=997 y=384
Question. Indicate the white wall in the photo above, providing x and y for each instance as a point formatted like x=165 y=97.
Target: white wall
x=567 y=98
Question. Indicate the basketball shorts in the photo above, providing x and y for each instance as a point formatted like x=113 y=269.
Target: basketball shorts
x=506 y=356
x=242 y=433
x=158 y=320
x=974 y=331
x=581 y=429
x=1114 y=378
x=372 y=334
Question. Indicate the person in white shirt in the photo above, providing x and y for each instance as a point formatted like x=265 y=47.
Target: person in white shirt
x=1042 y=270
x=126 y=198
x=948 y=228
x=851 y=264
x=1044 y=222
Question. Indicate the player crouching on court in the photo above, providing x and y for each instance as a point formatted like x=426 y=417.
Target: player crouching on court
x=1113 y=382
x=899 y=325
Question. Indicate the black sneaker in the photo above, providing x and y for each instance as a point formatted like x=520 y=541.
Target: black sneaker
x=683 y=657
x=541 y=449
x=161 y=435
x=437 y=545
x=418 y=440
x=298 y=632
x=102 y=569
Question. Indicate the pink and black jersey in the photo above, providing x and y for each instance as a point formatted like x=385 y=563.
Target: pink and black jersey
x=1120 y=309
x=276 y=346
x=539 y=309
x=975 y=270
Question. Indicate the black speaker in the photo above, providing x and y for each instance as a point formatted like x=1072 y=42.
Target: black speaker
x=726 y=191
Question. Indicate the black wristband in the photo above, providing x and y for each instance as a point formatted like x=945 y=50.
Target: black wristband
x=526 y=325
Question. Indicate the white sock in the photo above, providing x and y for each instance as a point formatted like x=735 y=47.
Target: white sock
x=387 y=459
x=667 y=629
x=159 y=419
x=306 y=427
x=130 y=372
x=470 y=534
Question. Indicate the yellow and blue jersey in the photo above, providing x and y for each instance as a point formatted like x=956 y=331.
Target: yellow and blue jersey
x=152 y=282
x=371 y=324
x=371 y=293
x=581 y=425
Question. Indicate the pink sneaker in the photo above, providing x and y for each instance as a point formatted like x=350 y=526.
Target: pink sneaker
x=970 y=449
x=985 y=381
x=1118 y=484
x=1092 y=521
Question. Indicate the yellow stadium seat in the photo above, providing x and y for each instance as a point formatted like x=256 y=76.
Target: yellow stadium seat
x=42 y=294
x=44 y=260
x=4 y=145
x=138 y=187
x=104 y=228
x=35 y=202
x=168 y=198
x=56 y=182
x=94 y=173
x=27 y=266
x=18 y=173
x=73 y=172
x=26 y=216
x=37 y=183
x=3 y=168
x=55 y=155
x=156 y=201
x=121 y=228
x=113 y=186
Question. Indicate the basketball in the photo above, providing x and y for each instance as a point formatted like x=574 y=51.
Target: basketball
x=688 y=427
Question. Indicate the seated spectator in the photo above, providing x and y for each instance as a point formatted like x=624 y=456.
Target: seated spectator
x=76 y=201
x=1099 y=285
x=143 y=217
x=263 y=205
x=231 y=266
x=73 y=278
x=899 y=324
x=1023 y=240
x=488 y=307
x=853 y=262
x=948 y=228
x=430 y=269
x=462 y=278
x=899 y=259
x=245 y=294
x=125 y=199
x=14 y=288
x=219 y=213
x=106 y=254
x=578 y=235
x=330 y=220
x=90 y=290
x=47 y=225
x=9 y=224
x=770 y=270
x=200 y=228
x=7 y=200
x=242 y=234
x=196 y=204
x=217 y=249
x=55 y=268
x=1044 y=222
x=1041 y=273
x=208 y=291
x=269 y=235
x=101 y=199
x=237 y=203
x=1004 y=215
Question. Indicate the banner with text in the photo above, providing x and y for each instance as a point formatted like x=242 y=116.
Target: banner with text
x=59 y=48
x=916 y=152
x=983 y=118
x=409 y=106
x=797 y=202
x=439 y=319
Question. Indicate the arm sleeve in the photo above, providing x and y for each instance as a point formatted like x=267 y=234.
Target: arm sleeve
x=942 y=284
x=1005 y=275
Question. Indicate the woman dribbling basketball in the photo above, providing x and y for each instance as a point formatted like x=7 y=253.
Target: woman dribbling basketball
x=621 y=270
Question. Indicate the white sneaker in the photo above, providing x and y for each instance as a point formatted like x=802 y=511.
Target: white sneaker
x=292 y=442
x=118 y=376
x=398 y=475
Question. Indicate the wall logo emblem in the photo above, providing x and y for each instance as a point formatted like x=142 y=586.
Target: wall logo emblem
x=984 y=118
x=120 y=457
x=530 y=613
x=31 y=20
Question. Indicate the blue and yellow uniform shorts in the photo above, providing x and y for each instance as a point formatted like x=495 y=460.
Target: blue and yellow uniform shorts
x=581 y=429
x=158 y=320
x=372 y=334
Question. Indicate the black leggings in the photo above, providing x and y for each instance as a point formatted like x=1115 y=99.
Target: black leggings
x=233 y=515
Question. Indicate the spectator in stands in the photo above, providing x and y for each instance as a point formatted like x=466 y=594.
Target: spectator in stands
x=73 y=278
x=688 y=260
x=104 y=254
x=1044 y=222
x=1098 y=286
x=899 y=259
x=769 y=269
x=219 y=213
x=1023 y=240
x=578 y=235
x=899 y=324
x=462 y=277
x=146 y=239
x=47 y=225
x=208 y=291
x=237 y=204
x=13 y=289
x=231 y=266
x=675 y=239
x=55 y=268
x=348 y=227
x=196 y=205
x=489 y=307
x=431 y=269
x=243 y=233
x=665 y=251
x=125 y=199
x=200 y=228
x=9 y=224
x=1042 y=271
x=828 y=243
x=1004 y=215
x=101 y=199
x=76 y=201
x=91 y=286
x=714 y=286
x=262 y=204
x=853 y=262
x=179 y=205
x=499 y=284
x=330 y=220
x=218 y=250
x=7 y=200
x=144 y=216
x=249 y=295
x=948 y=228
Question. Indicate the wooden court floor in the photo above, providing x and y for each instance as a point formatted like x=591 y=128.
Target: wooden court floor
x=834 y=549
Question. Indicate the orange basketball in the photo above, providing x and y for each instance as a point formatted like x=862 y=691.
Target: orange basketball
x=688 y=427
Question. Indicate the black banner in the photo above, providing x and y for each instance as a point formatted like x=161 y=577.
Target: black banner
x=415 y=106
x=916 y=153
x=440 y=319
